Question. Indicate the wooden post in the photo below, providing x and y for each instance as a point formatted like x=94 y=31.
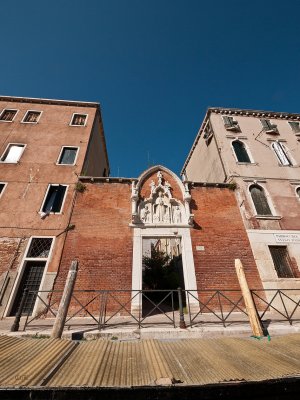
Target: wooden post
x=61 y=316
x=249 y=303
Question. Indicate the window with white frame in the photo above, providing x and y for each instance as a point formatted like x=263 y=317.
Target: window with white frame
x=240 y=151
x=281 y=153
x=295 y=126
x=2 y=187
x=78 y=119
x=33 y=268
x=230 y=123
x=67 y=155
x=54 y=199
x=268 y=127
x=13 y=153
x=32 y=117
x=8 y=115
x=259 y=200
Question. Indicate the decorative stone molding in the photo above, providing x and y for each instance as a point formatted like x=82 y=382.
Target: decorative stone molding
x=160 y=208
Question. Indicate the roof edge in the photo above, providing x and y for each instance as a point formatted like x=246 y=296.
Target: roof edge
x=37 y=100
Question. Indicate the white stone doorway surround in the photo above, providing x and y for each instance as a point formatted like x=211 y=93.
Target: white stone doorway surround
x=187 y=260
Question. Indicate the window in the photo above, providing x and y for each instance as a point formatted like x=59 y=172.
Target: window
x=67 y=156
x=295 y=126
x=298 y=192
x=79 y=119
x=8 y=115
x=281 y=153
x=13 y=153
x=268 y=127
x=282 y=262
x=35 y=261
x=54 y=199
x=260 y=201
x=240 y=151
x=32 y=117
x=2 y=187
x=230 y=123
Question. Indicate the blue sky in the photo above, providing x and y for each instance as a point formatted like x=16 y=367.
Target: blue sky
x=155 y=66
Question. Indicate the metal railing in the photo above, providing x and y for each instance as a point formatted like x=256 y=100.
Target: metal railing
x=102 y=309
x=277 y=304
x=215 y=306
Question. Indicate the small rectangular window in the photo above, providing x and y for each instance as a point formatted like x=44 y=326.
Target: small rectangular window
x=13 y=153
x=282 y=262
x=79 y=119
x=8 y=115
x=54 y=199
x=268 y=127
x=295 y=126
x=2 y=187
x=68 y=156
x=32 y=117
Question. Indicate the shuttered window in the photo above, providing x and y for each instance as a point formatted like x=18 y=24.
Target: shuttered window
x=8 y=115
x=295 y=126
x=79 y=120
x=281 y=153
x=32 y=117
x=240 y=151
x=268 y=126
x=260 y=200
x=282 y=262
x=230 y=123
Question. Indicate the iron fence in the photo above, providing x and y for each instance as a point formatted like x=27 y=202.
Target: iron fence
x=277 y=304
x=102 y=309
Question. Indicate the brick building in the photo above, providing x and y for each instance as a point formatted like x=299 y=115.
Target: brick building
x=44 y=146
x=259 y=153
x=114 y=216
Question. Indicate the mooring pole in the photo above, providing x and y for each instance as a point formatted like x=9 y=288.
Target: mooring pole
x=249 y=303
x=61 y=316
x=181 y=314
x=16 y=325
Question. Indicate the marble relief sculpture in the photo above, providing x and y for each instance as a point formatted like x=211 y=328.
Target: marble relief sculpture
x=160 y=208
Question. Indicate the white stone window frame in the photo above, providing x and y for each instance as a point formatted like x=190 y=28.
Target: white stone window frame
x=72 y=118
x=269 y=200
x=22 y=269
x=35 y=122
x=237 y=139
x=60 y=154
x=296 y=193
x=6 y=150
x=9 y=109
x=287 y=154
x=4 y=187
x=188 y=265
x=62 y=203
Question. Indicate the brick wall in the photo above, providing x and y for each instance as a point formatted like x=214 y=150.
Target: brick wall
x=219 y=228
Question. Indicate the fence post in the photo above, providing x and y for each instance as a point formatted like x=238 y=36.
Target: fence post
x=181 y=314
x=249 y=303
x=60 y=319
x=15 y=326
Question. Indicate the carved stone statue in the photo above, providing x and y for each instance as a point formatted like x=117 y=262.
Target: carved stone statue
x=160 y=208
x=177 y=215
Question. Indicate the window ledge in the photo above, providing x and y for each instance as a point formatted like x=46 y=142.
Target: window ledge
x=9 y=162
x=275 y=217
x=246 y=163
x=288 y=166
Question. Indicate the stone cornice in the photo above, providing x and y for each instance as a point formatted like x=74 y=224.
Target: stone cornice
x=34 y=100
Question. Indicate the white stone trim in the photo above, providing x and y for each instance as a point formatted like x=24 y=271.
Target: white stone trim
x=187 y=259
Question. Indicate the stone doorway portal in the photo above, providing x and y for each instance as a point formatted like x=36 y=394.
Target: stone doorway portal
x=162 y=272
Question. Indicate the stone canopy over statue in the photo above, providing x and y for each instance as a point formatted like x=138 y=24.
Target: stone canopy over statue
x=160 y=208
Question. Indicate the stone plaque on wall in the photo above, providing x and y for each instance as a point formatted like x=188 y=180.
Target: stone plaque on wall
x=287 y=237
